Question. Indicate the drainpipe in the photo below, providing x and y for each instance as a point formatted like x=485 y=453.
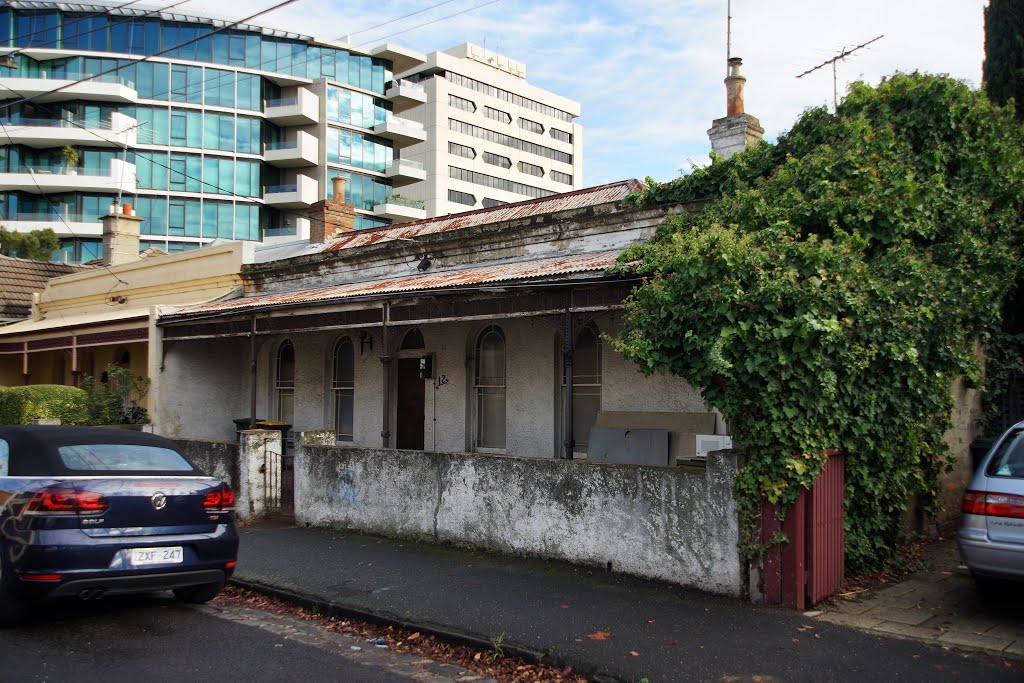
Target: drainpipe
x=252 y=372
x=385 y=359
x=568 y=346
x=24 y=363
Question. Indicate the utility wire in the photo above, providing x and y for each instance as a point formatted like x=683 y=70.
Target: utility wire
x=148 y=57
x=392 y=21
x=85 y=16
x=465 y=11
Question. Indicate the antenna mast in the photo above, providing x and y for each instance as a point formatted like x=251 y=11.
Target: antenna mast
x=842 y=55
x=728 y=33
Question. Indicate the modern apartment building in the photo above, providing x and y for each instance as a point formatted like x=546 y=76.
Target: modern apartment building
x=235 y=134
x=492 y=138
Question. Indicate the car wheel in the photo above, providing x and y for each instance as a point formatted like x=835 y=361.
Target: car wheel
x=199 y=594
x=13 y=608
x=989 y=589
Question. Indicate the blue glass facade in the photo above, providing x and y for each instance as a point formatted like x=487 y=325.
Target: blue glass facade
x=200 y=142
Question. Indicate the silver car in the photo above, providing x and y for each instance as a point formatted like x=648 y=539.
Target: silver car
x=991 y=533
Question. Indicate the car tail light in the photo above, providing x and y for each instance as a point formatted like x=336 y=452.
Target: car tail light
x=220 y=499
x=42 y=577
x=63 y=501
x=993 y=504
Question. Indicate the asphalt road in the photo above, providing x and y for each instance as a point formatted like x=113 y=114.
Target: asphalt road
x=158 y=639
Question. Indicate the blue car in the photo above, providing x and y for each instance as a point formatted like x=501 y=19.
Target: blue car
x=991 y=534
x=87 y=512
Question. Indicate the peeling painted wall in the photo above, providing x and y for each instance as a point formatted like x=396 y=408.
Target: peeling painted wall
x=203 y=387
x=672 y=524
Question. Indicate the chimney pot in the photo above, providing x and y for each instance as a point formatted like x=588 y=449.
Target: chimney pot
x=734 y=88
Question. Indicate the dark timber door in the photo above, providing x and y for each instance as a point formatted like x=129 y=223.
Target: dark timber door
x=410 y=405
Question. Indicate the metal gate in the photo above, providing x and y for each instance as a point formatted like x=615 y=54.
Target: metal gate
x=811 y=565
x=279 y=481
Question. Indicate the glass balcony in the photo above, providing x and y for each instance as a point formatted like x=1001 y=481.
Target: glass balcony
x=404 y=172
x=401 y=132
x=405 y=95
x=302 y=149
x=299 y=110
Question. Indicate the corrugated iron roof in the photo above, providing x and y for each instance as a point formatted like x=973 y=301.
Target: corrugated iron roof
x=591 y=196
x=476 y=275
x=20 y=278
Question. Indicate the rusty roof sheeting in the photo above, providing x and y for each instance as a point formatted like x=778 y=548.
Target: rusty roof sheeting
x=577 y=199
x=475 y=275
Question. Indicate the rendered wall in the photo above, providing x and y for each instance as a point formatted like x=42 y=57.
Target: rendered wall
x=215 y=458
x=672 y=524
x=200 y=387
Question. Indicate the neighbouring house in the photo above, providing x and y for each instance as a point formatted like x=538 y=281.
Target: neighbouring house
x=95 y=316
x=21 y=280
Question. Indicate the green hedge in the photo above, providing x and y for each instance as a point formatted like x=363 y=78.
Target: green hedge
x=21 y=405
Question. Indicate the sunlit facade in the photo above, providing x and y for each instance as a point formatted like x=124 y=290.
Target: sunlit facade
x=231 y=135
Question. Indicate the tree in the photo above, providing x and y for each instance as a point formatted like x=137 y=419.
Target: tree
x=37 y=245
x=833 y=289
x=1003 y=70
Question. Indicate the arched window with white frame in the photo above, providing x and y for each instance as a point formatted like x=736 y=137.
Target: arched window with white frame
x=489 y=388
x=284 y=383
x=343 y=386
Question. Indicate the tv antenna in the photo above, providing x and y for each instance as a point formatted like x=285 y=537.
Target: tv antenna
x=841 y=56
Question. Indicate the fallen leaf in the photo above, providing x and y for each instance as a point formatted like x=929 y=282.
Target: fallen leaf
x=414 y=636
x=817 y=635
x=599 y=635
x=915 y=657
x=564 y=606
x=650 y=621
x=634 y=653
x=477 y=657
x=796 y=640
x=804 y=628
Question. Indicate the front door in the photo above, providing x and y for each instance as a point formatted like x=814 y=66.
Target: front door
x=410 y=405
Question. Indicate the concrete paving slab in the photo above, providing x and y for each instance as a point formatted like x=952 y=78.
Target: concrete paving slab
x=982 y=641
x=910 y=617
x=915 y=632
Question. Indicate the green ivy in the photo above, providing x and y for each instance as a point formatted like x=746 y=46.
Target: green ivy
x=834 y=287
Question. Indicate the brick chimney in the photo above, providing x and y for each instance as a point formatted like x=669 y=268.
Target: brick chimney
x=737 y=130
x=120 y=235
x=331 y=217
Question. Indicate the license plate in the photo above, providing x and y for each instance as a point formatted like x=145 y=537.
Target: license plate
x=140 y=557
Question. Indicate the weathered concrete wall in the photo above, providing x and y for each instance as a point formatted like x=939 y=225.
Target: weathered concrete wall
x=672 y=524
x=259 y=482
x=218 y=459
x=203 y=386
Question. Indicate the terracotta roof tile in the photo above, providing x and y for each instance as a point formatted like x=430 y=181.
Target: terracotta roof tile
x=21 y=278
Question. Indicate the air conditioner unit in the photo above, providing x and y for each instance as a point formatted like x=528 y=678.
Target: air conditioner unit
x=712 y=442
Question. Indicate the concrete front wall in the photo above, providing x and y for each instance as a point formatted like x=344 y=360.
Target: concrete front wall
x=671 y=524
x=217 y=459
x=533 y=385
x=202 y=386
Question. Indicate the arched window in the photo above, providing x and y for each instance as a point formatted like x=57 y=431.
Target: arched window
x=586 y=385
x=413 y=340
x=489 y=385
x=284 y=383
x=343 y=385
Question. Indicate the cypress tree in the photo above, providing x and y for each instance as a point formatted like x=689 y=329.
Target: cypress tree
x=1003 y=70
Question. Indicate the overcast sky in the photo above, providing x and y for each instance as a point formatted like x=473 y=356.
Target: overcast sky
x=649 y=74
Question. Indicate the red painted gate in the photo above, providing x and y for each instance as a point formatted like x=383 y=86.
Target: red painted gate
x=810 y=566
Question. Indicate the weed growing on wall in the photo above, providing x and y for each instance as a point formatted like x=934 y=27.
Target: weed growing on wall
x=835 y=287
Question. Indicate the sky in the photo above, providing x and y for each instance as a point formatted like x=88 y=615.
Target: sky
x=649 y=76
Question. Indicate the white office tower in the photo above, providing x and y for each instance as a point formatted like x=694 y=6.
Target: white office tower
x=491 y=137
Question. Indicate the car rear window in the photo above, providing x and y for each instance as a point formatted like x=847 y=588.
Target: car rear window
x=1008 y=460
x=119 y=457
x=5 y=458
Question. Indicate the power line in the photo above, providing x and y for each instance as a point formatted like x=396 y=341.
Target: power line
x=392 y=21
x=465 y=11
x=148 y=57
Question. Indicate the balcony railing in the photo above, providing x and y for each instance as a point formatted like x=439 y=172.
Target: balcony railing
x=284 y=144
x=275 y=189
x=44 y=217
x=407 y=163
x=69 y=76
x=280 y=232
x=404 y=201
x=91 y=124
x=56 y=169
x=282 y=102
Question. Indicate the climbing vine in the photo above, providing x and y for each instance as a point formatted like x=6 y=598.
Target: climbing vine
x=834 y=287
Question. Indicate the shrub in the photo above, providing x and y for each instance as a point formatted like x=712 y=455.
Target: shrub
x=21 y=405
x=116 y=401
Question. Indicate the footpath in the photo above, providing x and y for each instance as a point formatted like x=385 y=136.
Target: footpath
x=605 y=625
